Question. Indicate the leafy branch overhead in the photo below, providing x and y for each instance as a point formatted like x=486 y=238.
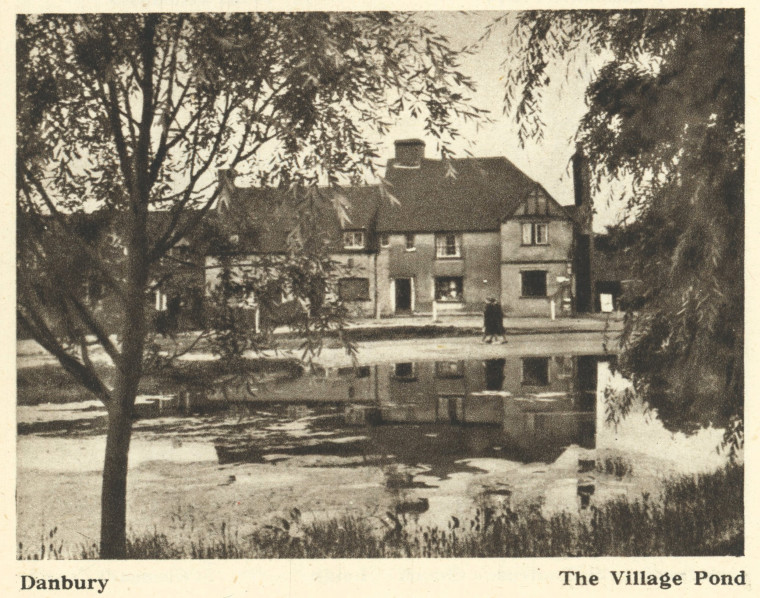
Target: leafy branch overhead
x=665 y=100
x=124 y=122
x=291 y=99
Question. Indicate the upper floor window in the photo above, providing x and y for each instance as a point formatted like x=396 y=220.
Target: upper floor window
x=536 y=203
x=410 y=243
x=448 y=245
x=385 y=240
x=180 y=251
x=353 y=240
x=535 y=233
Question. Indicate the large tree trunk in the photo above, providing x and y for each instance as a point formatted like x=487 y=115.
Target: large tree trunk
x=113 y=502
x=113 y=499
x=114 y=491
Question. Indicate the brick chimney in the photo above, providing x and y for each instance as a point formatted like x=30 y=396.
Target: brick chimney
x=583 y=236
x=409 y=152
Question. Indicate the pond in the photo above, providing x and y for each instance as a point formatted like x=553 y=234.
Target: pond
x=428 y=438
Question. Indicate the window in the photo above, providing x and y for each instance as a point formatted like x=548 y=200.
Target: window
x=449 y=369
x=180 y=252
x=353 y=240
x=535 y=233
x=385 y=240
x=448 y=245
x=535 y=371
x=537 y=204
x=534 y=283
x=410 y=243
x=353 y=289
x=448 y=288
x=361 y=371
x=404 y=371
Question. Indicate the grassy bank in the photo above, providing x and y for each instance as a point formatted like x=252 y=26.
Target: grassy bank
x=693 y=516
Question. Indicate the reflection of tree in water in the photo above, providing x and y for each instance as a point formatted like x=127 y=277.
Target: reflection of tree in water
x=494 y=369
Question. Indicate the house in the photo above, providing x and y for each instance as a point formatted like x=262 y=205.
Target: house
x=435 y=236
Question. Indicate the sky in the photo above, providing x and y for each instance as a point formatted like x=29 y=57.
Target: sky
x=547 y=161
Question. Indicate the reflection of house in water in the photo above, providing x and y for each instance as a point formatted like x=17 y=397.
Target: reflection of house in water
x=530 y=406
x=538 y=401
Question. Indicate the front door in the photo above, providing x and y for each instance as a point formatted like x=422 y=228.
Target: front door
x=403 y=295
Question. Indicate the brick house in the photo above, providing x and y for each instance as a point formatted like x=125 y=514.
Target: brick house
x=443 y=235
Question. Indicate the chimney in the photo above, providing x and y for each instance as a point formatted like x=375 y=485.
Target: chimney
x=581 y=178
x=409 y=152
x=583 y=237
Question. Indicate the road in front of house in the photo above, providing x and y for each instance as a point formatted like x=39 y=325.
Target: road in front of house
x=432 y=349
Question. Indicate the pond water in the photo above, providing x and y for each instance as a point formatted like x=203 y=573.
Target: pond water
x=431 y=437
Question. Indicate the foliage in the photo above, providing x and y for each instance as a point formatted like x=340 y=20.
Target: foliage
x=665 y=114
x=123 y=120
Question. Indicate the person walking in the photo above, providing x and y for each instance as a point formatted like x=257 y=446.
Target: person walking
x=493 y=323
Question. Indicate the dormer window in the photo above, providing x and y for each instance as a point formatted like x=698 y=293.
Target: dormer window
x=353 y=240
x=535 y=233
x=448 y=245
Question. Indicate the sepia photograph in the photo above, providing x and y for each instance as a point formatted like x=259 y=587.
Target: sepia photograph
x=380 y=285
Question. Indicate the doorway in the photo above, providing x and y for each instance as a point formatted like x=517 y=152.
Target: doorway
x=404 y=302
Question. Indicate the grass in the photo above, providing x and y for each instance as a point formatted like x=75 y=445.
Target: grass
x=693 y=516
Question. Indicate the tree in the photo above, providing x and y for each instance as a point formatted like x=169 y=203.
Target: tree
x=666 y=113
x=121 y=117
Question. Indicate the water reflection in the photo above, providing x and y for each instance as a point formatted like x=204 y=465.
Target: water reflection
x=438 y=413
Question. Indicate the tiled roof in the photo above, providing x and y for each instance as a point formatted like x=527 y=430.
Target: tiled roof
x=473 y=194
x=264 y=217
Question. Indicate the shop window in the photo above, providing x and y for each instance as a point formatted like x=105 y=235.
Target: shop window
x=449 y=288
x=533 y=283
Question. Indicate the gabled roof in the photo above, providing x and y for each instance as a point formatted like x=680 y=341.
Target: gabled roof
x=461 y=195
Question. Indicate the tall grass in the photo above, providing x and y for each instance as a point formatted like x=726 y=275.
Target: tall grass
x=693 y=516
